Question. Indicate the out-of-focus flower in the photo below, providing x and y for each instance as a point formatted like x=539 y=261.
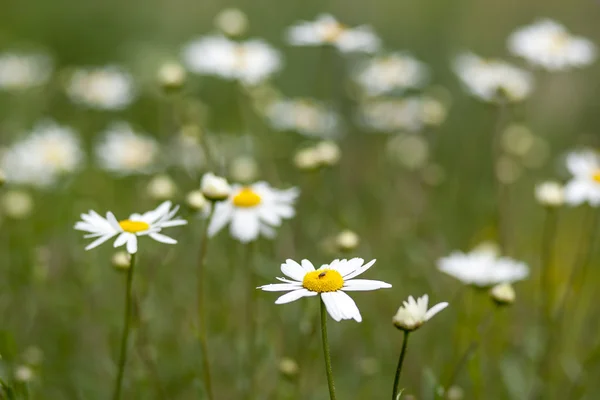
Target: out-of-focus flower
x=43 y=156
x=196 y=201
x=517 y=139
x=17 y=204
x=244 y=169
x=455 y=393
x=537 y=155
x=231 y=21
x=126 y=152
x=433 y=111
x=508 y=170
x=250 y=62
x=252 y=211
x=584 y=186
x=483 y=267
x=347 y=240
x=503 y=294
x=410 y=150
x=121 y=260
x=331 y=281
x=305 y=116
x=395 y=71
x=391 y=115
x=104 y=88
x=327 y=30
x=24 y=373
x=149 y=224
x=288 y=367
x=161 y=187
x=171 y=76
x=548 y=44
x=328 y=152
x=19 y=71
x=307 y=159
x=550 y=194
x=215 y=188
x=185 y=149
x=414 y=313
x=493 y=80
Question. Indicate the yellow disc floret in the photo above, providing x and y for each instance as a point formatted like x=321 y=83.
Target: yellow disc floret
x=133 y=226
x=246 y=198
x=323 y=280
x=596 y=176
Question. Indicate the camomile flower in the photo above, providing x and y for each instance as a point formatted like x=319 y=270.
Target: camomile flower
x=584 y=186
x=19 y=71
x=390 y=115
x=415 y=313
x=331 y=282
x=549 y=45
x=306 y=116
x=123 y=151
x=104 y=88
x=492 y=80
x=483 y=267
x=250 y=62
x=128 y=230
x=395 y=71
x=42 y=157
x=253 y=211
x=326 y=30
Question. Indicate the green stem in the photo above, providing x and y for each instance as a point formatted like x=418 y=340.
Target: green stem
x=202 y=331
x=126 y=329
x=546 y=275
x=502 y=192
x=326 y=353
x=399 y=368
x=252 y=358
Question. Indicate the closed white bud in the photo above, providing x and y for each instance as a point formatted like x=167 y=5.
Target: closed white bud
x=503 y=294
x=214 y=188
x=161 y=187
x=328 y=153
x=121 y=260
x=347 y=240
x=288 y=367
x=196 y=200
x=307 y=159
x=232 y=22
x=455 y=393
x=23 y=373
x=171 y=76
x=17 y=204
x=550 y=194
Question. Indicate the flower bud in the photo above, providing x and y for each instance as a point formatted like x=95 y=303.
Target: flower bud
x=23 y=373
x=214 y=188
x=121 y=260
x=550 y=194
x=328 y=153
x=232 y=22
x=171 y=76
x=503 y=294
x=307 y=159
x=161 y=187
x=196 y=201
x=347 y=241
x=288 y=367
x=17 y=204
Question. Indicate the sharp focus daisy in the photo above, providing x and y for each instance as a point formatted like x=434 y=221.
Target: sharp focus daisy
x=126 y=152
x=415 y=313
x=493 y=80
x=305 y=116
x=395 y=71
x=22 y=71
x=250 y=62
x=105 y=88
x=253 y=211
x=47 y=153
x=391 y=115
x=483 y=267
x=326 y=30
x=549 y=45
x=331 y=281
x=584 y=186
x=128 y=230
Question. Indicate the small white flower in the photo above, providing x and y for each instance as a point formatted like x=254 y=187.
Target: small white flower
x=149 y=224
x=305 y=116
x=503 y=294
x=42 y=157
x=390 y=115
x=492 y=80
x=327 y=30
x=214 y=187
x=483 y=267
x=347 y=240
x=196 y=201
x=104 y=88
x=126 y=152
x=585 y=184
x=549 y=45
x=331 y=281
x=171 y=76
x=250 y=62
x=396 y=71
x=253 y=211
x=23 y=71
x=550 y=194
x=414 y=313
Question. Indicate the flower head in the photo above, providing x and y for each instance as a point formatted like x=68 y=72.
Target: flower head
x=104 y=88
x=550 y=194
x=549 y=45
x=305 y=116
x=331 y=281
x=128 y=230
x=326 y=30
x=390 y=115
x=395 y=71
x=253 y=211
x=19 y=71
x=584 y=186
x=214 y=187
x=503 y=294
x=414 y=313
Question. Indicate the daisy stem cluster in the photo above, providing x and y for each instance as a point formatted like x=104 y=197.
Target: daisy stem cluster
x=326 y=352
x=395 y=392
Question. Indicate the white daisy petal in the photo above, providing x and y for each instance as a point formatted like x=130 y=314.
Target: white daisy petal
x=280 y=287
x=308 y=266
x=98 y=242
x=122 y=239
x=434 y=310
x=162 y=238
x=132 y=244
x=295 y=295
x=294 y=270
x=221 y=216
x=360 y=270
x=245 y=226
x=364 y=285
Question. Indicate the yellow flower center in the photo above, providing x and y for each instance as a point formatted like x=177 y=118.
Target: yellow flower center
x=133 y=226
x=246 y=198
x=323 y=280
x=596 y=176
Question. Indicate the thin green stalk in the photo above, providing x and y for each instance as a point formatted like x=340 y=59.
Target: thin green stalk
x=502 y=193
x=546 y=275
x=202 y=331
x=251 y=314
x=126 y=329
x=326 y=353
x=399 y=368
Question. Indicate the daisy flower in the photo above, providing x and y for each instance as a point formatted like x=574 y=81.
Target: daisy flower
x=549 y=45
x=395 y=71
x=126 y=152
x=550 y=194
x=584 y=186
x=128 y=230
x=250 y=62
x=306 y=116
x=104 y=88
x=415 y=313
x=22 y=71
x=492 y=80
x=42 y=157
x=392 y=115
x=326 y=30
x=253 y=211
x=331 y=281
